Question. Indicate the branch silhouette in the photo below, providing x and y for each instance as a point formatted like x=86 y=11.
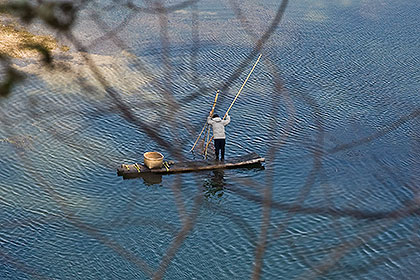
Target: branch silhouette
x=63 y=17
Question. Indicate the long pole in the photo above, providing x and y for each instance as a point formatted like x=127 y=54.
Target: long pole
x=205 y=125
x=208 y=136
x=236 y=97
x=240 y=90
x=214 y=103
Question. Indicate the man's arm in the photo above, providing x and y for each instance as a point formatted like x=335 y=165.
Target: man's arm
x=209 y=120
x=227 y=121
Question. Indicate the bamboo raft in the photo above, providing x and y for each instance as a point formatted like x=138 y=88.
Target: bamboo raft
x=138 y=169
x=154 y=175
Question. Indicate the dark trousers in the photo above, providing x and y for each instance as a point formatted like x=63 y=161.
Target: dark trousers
x=219 y=144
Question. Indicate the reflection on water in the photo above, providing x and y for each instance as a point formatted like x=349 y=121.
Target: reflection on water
x=151 y=178
x=215 y=186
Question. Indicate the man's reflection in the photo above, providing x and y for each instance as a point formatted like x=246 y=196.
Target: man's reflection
x=215 y=185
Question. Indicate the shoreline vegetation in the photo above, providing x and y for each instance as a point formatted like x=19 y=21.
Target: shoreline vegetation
x=68 y=68
x=17 y=42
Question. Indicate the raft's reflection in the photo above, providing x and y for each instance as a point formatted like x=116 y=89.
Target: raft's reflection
x=151 y=178
x=215 y=185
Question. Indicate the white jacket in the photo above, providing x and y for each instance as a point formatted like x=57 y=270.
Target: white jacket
x=218 y=126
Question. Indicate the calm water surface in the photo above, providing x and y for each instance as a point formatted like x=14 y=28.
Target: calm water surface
x=341 y=142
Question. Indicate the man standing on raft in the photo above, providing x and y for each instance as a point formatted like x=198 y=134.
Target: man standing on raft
x=219 y=133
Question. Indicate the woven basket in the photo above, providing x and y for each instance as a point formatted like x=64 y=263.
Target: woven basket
x=153 y=160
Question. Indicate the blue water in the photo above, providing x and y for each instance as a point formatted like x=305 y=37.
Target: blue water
x=341 y=142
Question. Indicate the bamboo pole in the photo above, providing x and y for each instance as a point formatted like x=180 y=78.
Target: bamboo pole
x=214 y=104
x=195 y=143
x=240 y=90
x=208 y=136
x=236 y=97
x=204 y=127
